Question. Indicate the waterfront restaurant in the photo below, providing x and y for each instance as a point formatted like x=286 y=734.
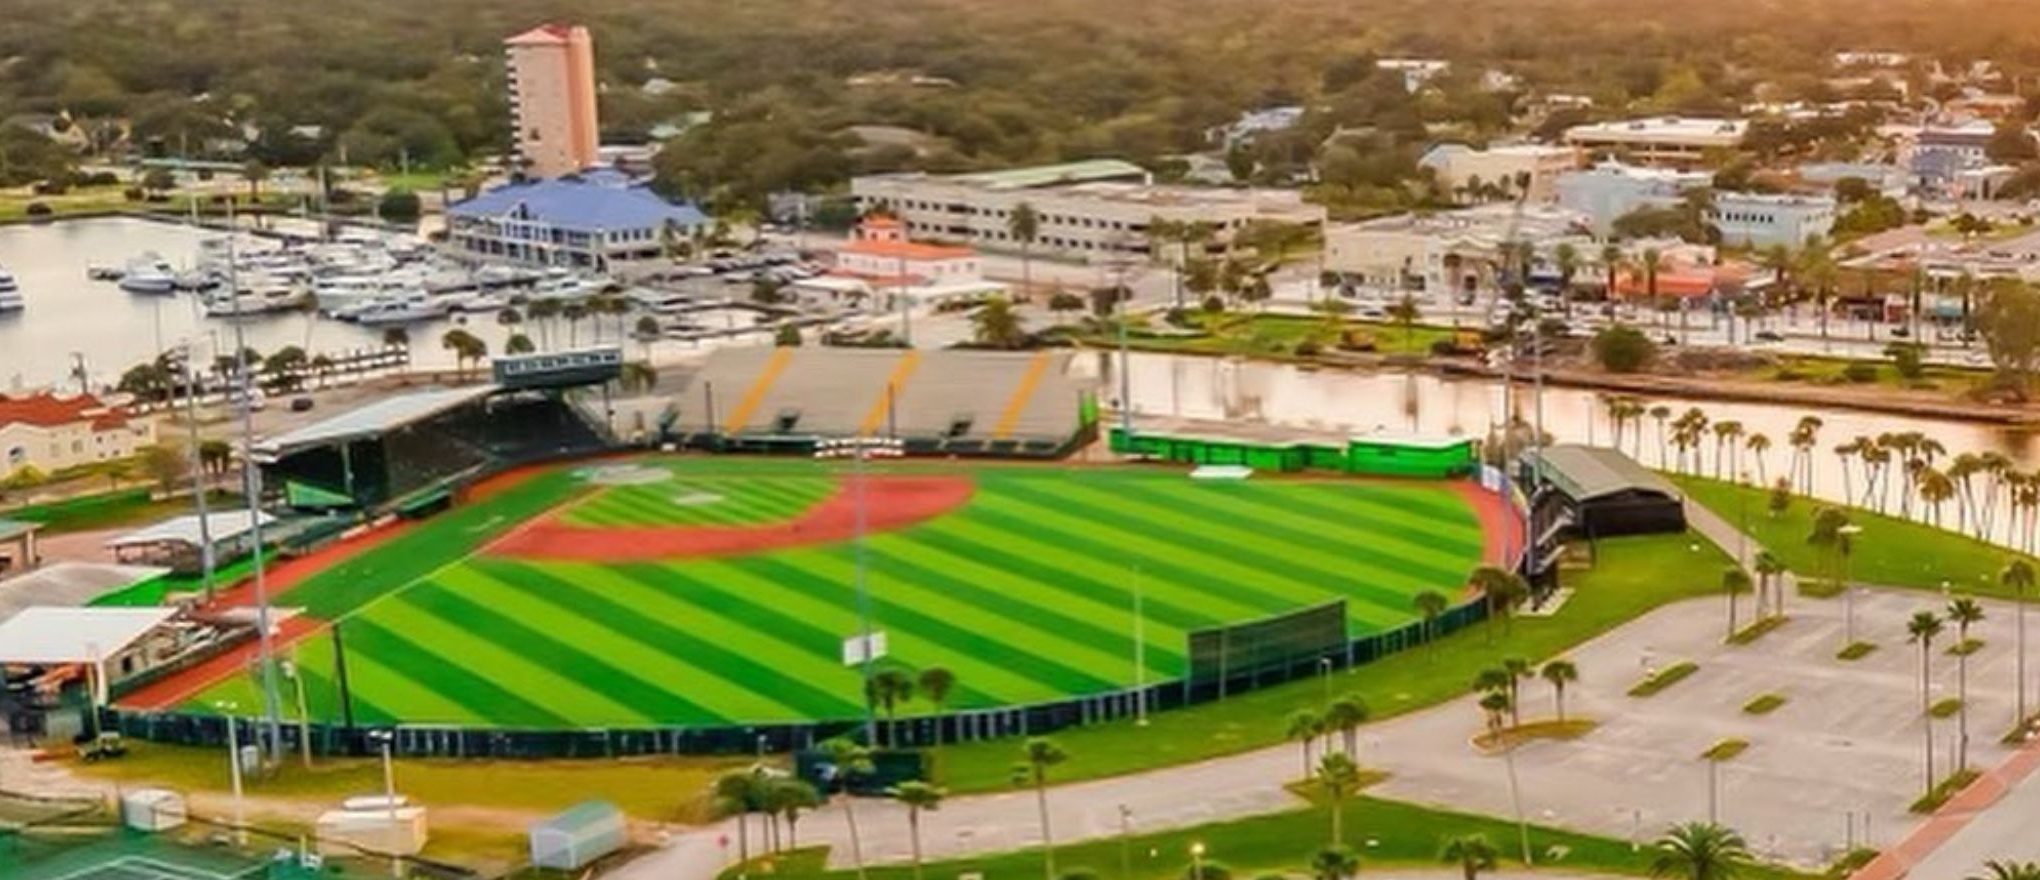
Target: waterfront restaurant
x=597 y=220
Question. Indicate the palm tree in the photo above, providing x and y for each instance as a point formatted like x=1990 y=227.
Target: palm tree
x=918 y=797
x=1829 y=536
x=1758 y=444
x=1652 y=263
x=543 y=312
x=465 y=347
x=936 y=683
x=1334 y=863
x=1039 y=754
x=396 y=337
x=2007 y=870
x=573 y=312
x=1305 y=727
x=1559 y=673
x=738 y=793
x=1024 y=224
x=1405 y=313
x=1700 y=851
x=1921 y=630
x=1339 y=777
x=1772 y=571
x=2017 y=576
x=1734 y=582
x=1471 y=852
x=1503 y=589
x=849 y=760
x=518 y=343
x=793 y=797
x=1345 y=715
x=1660 y=413
x=1496 y=706
x=888 y=688
x=1431 y=604
x=995 y=325
x=1518 y=670
x=1567 y=259
x=1963 y=611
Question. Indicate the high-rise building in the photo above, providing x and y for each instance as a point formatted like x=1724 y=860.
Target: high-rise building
x=552 y=99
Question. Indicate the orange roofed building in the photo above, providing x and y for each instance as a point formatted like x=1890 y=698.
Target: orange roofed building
x=882 y=267
x=1679 y=279
x=50 y=433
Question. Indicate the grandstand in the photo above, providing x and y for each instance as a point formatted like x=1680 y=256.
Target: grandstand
x=406 y=453
x=937 y=402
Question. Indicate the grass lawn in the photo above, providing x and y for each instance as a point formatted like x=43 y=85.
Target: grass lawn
x=1890 y=551
x=83 y=200
x=1278 y=335
x=1817 y=370
x=1634 y=575
x=107 y=510
x=1385 y=833
x=664 y=789
x=1026 y=593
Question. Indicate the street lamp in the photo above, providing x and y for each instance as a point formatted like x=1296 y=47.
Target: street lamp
x=227 y=710
x=1197 y=860
x=1125 y=841
x=1848 y=534
x=858 y=450
x=385 y=740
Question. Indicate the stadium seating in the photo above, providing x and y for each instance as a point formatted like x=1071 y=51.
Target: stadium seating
x=942 y=402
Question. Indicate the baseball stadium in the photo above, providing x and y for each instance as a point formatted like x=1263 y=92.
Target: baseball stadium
x=697 y=585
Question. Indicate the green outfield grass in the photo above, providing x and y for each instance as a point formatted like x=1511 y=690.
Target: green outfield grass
x=1025 y=593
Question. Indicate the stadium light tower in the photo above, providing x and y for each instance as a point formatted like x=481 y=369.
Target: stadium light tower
x=859 y=450
x=251 y=486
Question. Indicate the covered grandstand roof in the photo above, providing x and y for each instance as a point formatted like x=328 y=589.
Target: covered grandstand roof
x=1585 y=473
x=221 y=526
x=75 y=635
x=375 y=419
x=68 y=584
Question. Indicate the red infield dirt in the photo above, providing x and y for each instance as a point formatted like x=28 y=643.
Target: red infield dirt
x=894 y=502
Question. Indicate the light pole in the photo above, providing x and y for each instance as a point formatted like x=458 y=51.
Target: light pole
x=297 y=677
x=1516 y=801
x=1125 y=842
x=858 y=449
x=1325 y=677
x=1847 y=535
x=386 y=739
x=1140 y=697
x=1197 y=861
x=234 y=770
x=251 y=485
x=198 y=481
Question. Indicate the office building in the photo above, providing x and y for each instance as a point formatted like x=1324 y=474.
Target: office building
x=1763 y=220
x=1669 y=141
x=551 y=81
x=1604 y=193
x=1086 y=210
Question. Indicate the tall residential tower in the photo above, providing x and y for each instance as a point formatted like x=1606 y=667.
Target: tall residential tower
x=552 y=99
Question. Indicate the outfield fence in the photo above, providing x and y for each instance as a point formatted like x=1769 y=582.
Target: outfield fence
x=1241 y=673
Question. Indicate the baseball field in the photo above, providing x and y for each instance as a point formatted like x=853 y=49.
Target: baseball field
x=662 y=591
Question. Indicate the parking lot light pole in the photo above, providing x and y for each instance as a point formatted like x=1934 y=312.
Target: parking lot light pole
x=234 y=772
x=1848 y=535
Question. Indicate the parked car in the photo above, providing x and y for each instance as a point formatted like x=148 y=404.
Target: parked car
x=301 y=404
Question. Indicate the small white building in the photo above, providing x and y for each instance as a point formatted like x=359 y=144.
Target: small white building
x=49 y=433
x=882 y=268
x=1454 y=251
x=177 y=543
x=115 y=643
x=1416 y=72
x=1673 y=141
x=1762 y=220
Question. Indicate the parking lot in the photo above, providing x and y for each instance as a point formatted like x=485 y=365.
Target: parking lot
x=1842 y=755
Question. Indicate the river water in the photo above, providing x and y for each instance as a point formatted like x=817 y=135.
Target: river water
x=1222 y=389
x=70 y=315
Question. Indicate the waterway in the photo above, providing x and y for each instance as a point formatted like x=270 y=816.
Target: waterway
x=1221 y=389
x=70 y=317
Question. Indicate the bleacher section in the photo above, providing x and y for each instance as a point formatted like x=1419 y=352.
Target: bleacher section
x=938 y=402
x=407 y=451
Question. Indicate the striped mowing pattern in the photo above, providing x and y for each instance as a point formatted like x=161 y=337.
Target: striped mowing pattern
x=1026 y=594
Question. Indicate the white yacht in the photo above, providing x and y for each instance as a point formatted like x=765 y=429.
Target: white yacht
x=258 y=294
x=563 y=285
x=149 y=273
x=407 y=308
x=10 y=294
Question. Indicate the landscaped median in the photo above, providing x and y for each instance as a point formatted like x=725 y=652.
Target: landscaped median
x=1384 y=834
x=1630 y=579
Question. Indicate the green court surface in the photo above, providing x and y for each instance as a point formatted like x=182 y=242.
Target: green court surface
x=1026 y=593
x=123 y=855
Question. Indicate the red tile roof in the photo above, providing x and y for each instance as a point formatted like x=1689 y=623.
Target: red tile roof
x=48 y=411
x=543 y=35
x=907 y=250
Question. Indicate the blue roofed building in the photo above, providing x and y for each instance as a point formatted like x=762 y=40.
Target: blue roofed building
x=594 y=220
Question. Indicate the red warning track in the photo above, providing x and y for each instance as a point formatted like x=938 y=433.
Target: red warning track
x=1499 y=525
x=893 y=502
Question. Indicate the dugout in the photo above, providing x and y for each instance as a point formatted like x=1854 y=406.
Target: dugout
x=1597 y=492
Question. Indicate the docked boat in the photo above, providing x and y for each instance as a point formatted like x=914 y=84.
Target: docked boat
x=149 y=273
x=10 y=294
x=409 y=308
x=257 y=295
x=561 y=284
